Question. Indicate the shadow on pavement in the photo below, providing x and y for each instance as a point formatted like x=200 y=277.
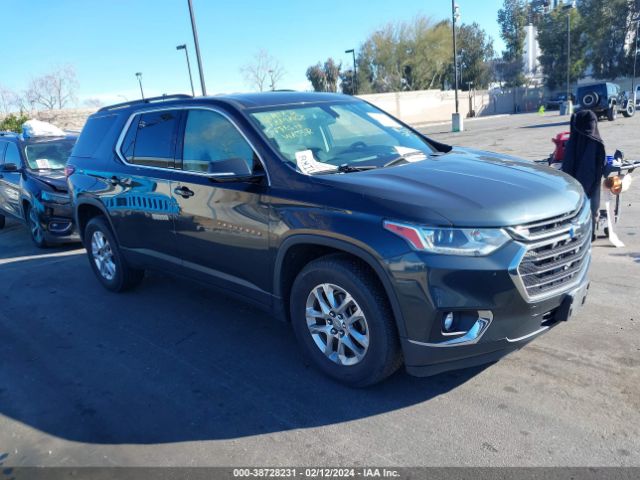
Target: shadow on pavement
x=170 y=362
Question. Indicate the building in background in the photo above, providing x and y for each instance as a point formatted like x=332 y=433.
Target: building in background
x=531 y=54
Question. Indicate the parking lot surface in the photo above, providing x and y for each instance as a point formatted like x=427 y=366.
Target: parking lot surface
x=176 y=374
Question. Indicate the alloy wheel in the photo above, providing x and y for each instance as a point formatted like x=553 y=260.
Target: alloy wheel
x=103 y=255
x=337 y=324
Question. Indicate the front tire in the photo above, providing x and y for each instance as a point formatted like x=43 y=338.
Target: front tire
x=629 y=111
x=343 y=322
x=612 y=113
x=106 y=259
x=35 y=227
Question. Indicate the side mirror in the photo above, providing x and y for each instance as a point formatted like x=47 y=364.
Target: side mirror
x=233 y=170
x=10 y=167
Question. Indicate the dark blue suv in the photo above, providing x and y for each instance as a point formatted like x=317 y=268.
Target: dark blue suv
x=379 y=245
x=33 y=187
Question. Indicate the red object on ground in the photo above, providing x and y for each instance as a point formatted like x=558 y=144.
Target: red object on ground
x=560 y=140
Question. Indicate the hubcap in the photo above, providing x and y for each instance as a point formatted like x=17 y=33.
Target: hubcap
x=34 y=225
x=103 y=255
x=337 y=324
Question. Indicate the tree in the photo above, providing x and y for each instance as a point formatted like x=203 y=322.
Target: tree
x=332 y=73
x=512 y=18
x=56 y=89
x=324 y=77
x=552 y=38
x=347 y=84
x=263 y=71
x=475 y=55
x=93 y=103
x=317 y=77
x=9 y=100
x=13 y=123
x=607 y=27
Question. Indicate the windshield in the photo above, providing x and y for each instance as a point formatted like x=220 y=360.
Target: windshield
x=353 y=134
x=50 y=155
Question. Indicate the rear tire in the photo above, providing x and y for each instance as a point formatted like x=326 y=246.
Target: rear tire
x=354 y=337
x=612 y=113
x=35 y=227
x=106 y=259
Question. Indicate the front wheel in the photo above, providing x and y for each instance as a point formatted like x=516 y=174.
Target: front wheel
x=35 y=227
x=629 y=111
x=342 y=320
x=107 y=260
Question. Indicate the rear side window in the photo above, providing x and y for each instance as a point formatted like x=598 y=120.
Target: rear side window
x=95 y=130
x=3 y=145
x=12 y=155
x=150 y=140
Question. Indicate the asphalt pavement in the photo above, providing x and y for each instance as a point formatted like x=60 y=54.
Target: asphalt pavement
x=177 y=374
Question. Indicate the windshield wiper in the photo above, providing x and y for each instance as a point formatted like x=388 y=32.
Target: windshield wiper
x=346 y=168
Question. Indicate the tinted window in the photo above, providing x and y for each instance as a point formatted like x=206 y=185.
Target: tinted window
x=12 y=155
x=95 y=130
x=3 y=145
x=210 y=138
x=154 y=140
x=130 y=139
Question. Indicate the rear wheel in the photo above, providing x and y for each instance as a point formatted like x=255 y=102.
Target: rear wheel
x=612 y=113
x=107 y=260
x=35 y=227
x=342 y=320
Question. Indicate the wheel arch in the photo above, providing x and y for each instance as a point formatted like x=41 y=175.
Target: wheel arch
x=85 y=210
x=310 y=247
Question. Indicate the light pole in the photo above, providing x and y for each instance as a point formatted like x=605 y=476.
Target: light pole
x=354 y=87
x=186 y=52
x=456 y=120
x=635 y=60
x=139 y=75
x=197 y=44
x=568 y=7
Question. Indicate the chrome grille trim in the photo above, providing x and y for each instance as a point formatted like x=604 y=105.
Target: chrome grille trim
x=549 y=265
x=549 y=227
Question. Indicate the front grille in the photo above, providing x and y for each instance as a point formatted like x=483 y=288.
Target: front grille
x=558 y=262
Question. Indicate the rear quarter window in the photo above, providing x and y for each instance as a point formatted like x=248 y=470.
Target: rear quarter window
x=95 y=131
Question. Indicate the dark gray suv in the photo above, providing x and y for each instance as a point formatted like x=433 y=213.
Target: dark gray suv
x=379 y=245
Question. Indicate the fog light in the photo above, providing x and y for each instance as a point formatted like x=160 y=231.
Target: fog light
x=447 y=322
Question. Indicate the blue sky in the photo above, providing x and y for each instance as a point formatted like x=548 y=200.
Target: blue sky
x=108 y=41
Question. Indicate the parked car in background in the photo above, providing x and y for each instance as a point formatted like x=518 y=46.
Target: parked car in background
x=33 y=187
x=555 y=101
x=379 y=245
x=605 y=99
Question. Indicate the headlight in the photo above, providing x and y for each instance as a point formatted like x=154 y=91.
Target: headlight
x=54 y=197
x=473 y=242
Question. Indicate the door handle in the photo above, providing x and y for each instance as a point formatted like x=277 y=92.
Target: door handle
x=184 y=192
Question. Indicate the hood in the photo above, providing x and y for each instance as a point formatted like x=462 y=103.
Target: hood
x=53 y=178
x=467 y=188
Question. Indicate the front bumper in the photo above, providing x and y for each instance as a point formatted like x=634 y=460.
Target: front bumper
x=56 y=221
x=428 y=286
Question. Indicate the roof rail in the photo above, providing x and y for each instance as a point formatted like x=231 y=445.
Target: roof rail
x=146 y=100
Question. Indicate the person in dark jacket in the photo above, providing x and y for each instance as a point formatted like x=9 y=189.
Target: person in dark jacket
x=585 y=156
